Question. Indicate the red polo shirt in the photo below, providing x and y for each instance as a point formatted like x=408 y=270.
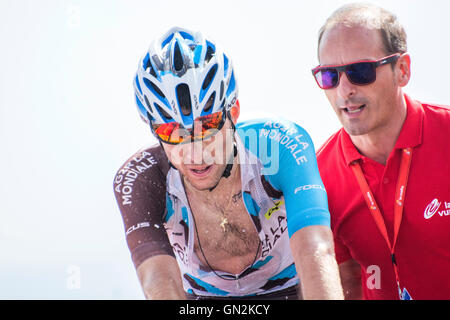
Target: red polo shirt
x=423 y=244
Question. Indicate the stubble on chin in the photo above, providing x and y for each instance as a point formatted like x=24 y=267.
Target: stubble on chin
x=355 y=129
x=203 y=184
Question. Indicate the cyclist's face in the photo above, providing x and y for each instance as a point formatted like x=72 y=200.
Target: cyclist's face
x=202 y=163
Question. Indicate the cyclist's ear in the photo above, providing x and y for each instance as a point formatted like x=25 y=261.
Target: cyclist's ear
x=235 y=111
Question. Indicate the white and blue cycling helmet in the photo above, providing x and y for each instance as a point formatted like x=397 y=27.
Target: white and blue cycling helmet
x=183 y=76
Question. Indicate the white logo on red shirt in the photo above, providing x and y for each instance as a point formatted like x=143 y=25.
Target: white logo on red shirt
x=434 y=207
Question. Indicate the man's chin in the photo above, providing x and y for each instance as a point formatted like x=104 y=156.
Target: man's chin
x=355 y=130
x=202 y=183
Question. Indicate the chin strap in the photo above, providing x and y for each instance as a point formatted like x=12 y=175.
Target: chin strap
x=170 y=163
x=227 y=172
x=229 y=166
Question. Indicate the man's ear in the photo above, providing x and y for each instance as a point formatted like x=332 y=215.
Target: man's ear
x=403 y=69
x=235 y=111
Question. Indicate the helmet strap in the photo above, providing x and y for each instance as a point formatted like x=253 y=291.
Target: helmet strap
x=170 y=163
x=227 y=172
x=229 y=167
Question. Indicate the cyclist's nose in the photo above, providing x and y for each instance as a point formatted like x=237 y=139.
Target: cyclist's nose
x=193 y=152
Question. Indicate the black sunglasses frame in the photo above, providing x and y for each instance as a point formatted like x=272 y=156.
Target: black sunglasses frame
x=346 y=67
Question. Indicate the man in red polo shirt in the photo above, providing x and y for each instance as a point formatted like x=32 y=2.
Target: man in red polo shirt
x=387 y=171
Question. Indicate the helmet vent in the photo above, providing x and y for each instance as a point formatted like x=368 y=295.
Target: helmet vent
x=225 y=65
x=210 y=102
x=177 y=58
x=154 y=88
x=209 y=53
x=184 y=98
x=150 y=69
x=209 y=77
x=162 y=112
x=148 y=103
x=221 y=90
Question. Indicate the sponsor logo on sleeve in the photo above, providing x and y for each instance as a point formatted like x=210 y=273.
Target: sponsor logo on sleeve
x=309 y=187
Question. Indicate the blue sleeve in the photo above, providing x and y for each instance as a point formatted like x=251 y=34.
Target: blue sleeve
x=293 y=170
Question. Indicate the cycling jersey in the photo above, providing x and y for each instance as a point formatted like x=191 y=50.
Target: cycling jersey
x=282 y=192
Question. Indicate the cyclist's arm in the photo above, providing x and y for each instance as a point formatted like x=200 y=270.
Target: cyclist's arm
x=140 y=190
x=307 y=214
x=312 y=249
x=160 y=278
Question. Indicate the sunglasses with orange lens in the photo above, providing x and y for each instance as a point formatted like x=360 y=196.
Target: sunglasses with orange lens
x=203 y=128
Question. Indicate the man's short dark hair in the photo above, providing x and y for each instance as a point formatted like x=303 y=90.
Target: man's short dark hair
x=371 y=17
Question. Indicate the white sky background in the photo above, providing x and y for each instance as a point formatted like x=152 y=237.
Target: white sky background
x=68 y=119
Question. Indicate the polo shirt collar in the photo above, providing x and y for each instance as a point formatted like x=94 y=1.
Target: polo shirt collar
x=410 y=135
x=349 y=150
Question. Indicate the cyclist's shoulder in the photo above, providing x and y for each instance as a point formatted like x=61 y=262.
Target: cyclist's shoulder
x=274 y=128
x=279 y=123
x=280 y=144
x=147 y=164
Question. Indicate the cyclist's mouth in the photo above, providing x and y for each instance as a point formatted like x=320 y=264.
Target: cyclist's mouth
x=201 y=171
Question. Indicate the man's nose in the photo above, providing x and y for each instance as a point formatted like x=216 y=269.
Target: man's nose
x=345 y=88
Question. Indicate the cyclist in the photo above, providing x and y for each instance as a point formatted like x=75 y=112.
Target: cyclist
x=220 y=209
